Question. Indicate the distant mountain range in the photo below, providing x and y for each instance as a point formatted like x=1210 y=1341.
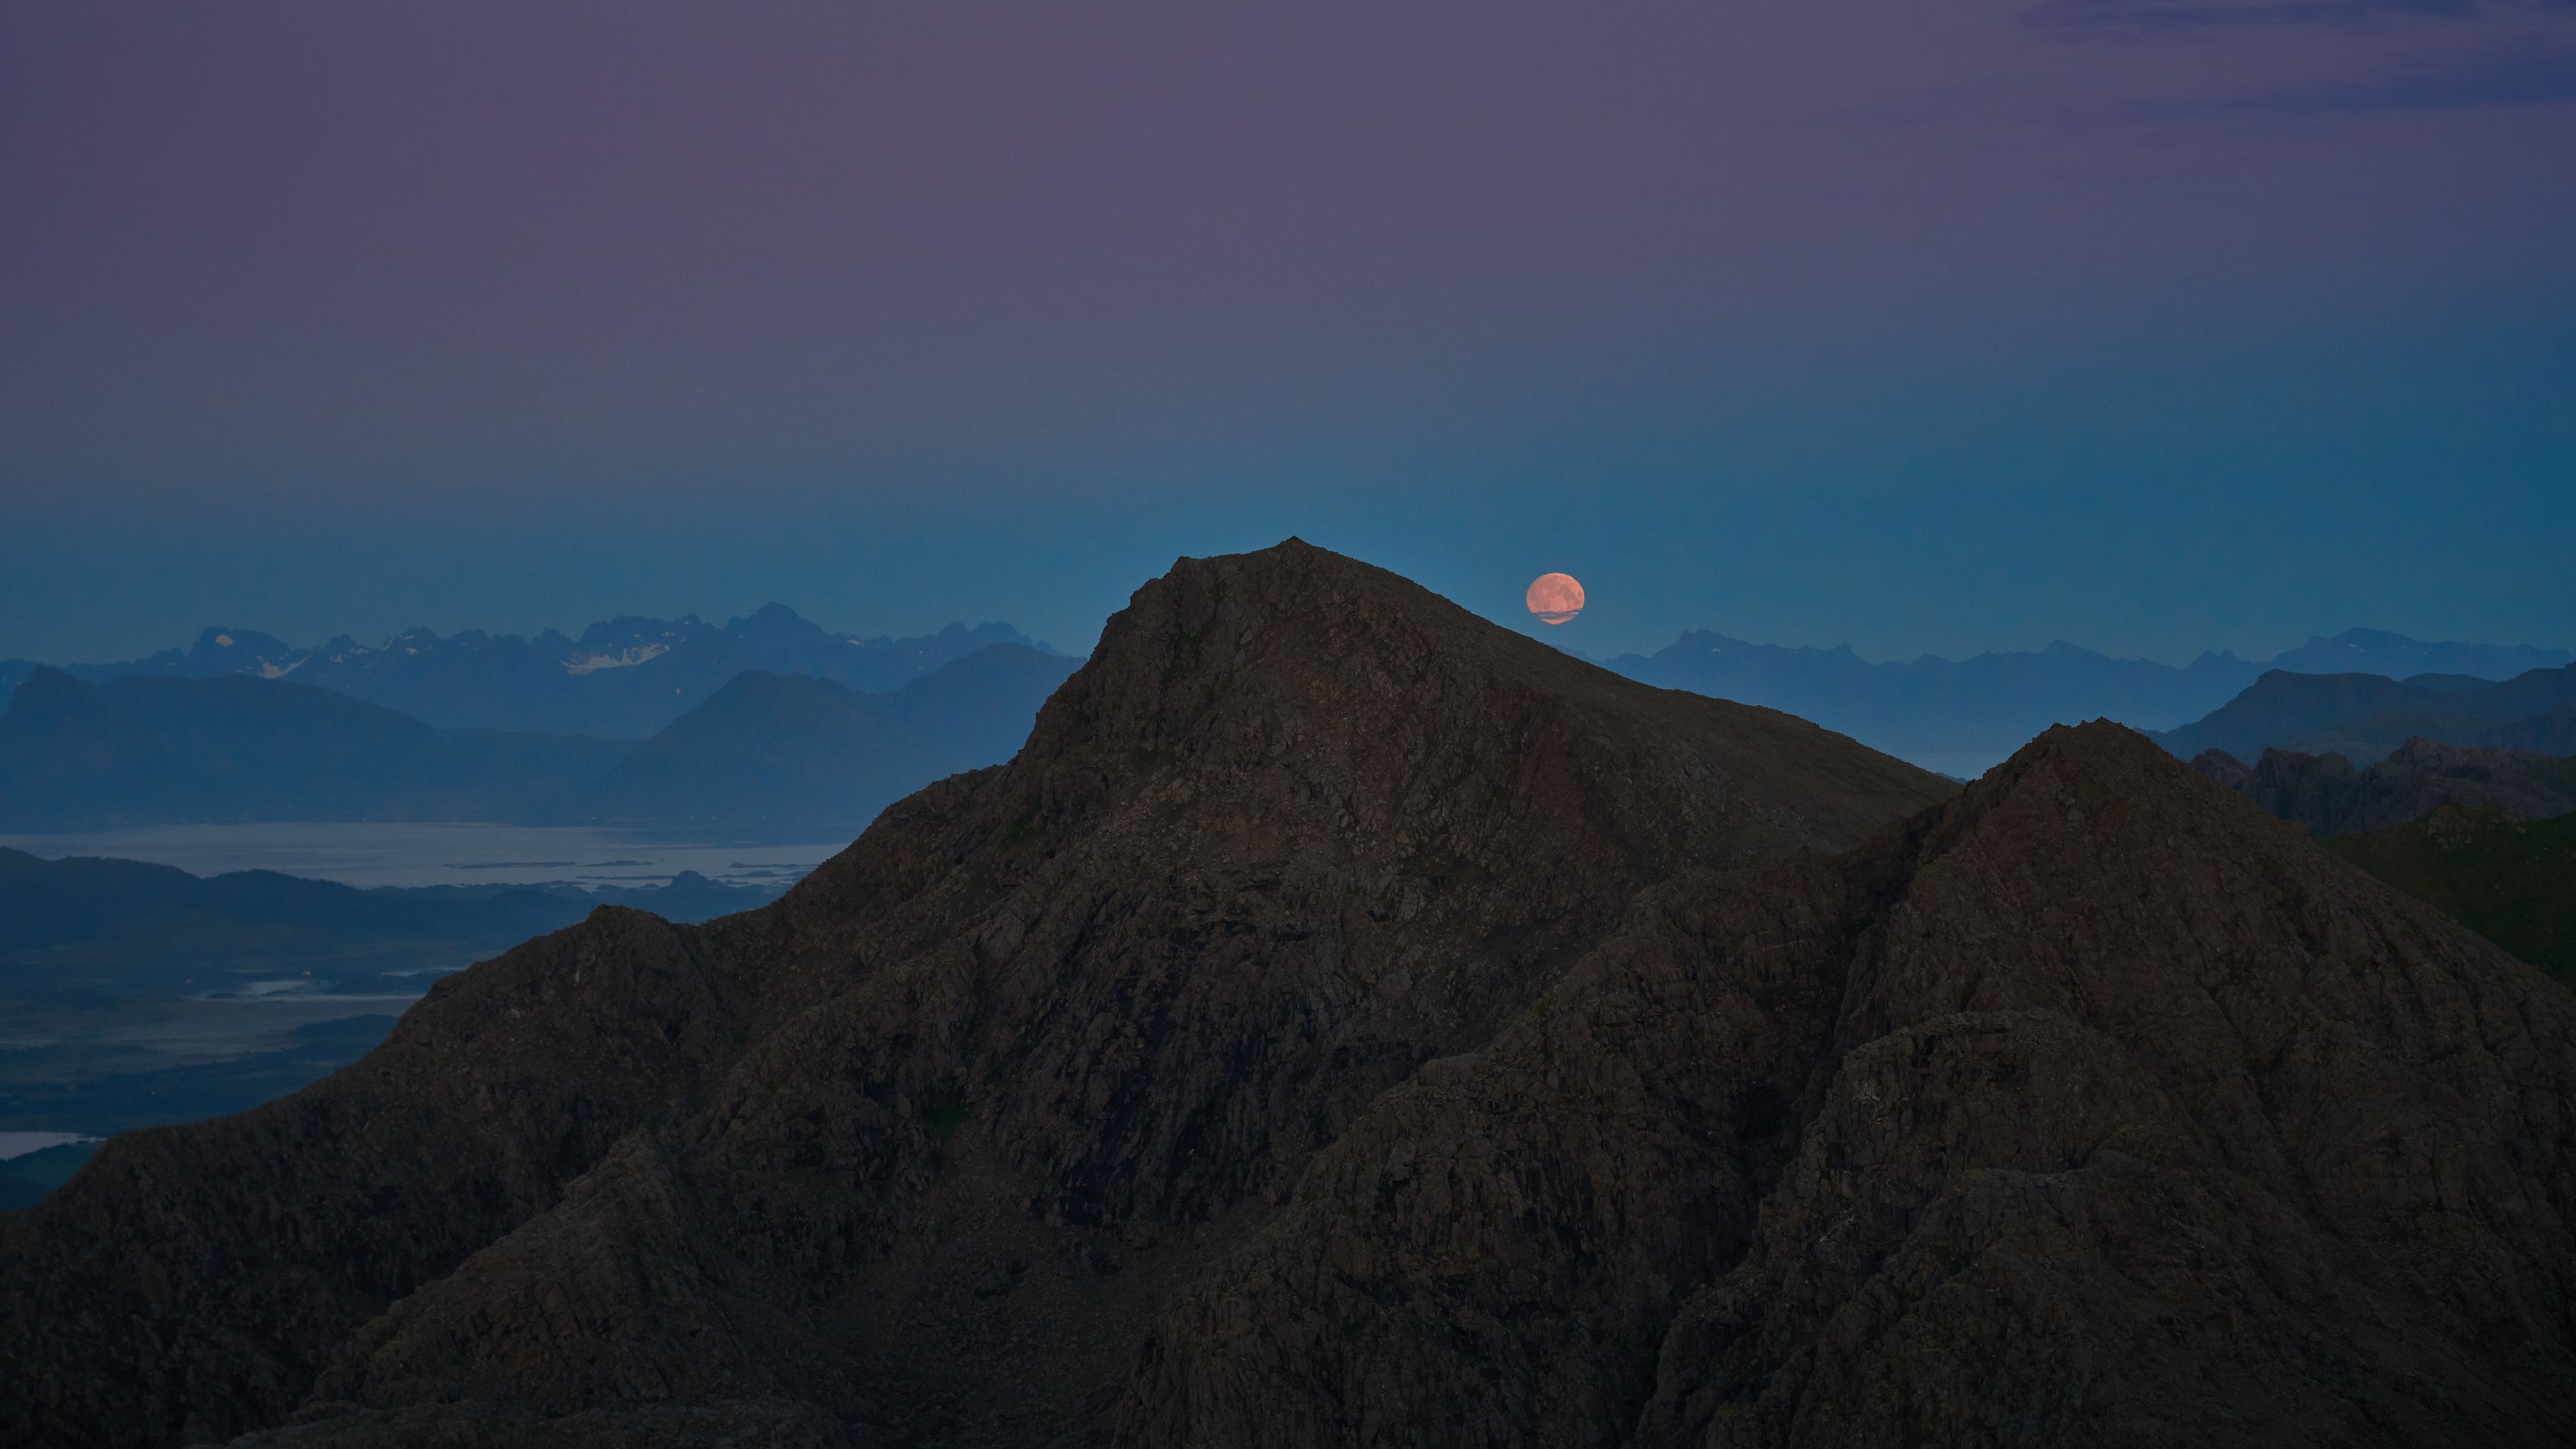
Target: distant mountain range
x=767 y=752
x=627 y=678
x=624 y=678
x=2364 y=717
x=1960 y=715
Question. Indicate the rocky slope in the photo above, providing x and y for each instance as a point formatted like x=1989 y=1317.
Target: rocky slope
x=2325 y=795
x=1347 y=1023
x=923 y=1149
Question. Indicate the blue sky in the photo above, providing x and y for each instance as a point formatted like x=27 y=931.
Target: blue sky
x=2154 y=326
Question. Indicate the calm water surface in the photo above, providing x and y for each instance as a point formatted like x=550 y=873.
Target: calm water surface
x=440 y=854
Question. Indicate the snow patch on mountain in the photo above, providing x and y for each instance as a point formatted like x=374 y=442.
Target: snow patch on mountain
x=623 y=659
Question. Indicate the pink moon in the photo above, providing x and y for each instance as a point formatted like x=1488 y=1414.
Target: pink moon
x=1554 y=598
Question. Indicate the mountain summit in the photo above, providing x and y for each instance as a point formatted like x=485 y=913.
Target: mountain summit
x=1346 y=1021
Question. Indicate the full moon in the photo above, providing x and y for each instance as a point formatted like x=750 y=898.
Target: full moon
x=1554 y=598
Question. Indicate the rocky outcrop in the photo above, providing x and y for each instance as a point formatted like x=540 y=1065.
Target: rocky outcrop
x=2325 y=795
x=949 y=1124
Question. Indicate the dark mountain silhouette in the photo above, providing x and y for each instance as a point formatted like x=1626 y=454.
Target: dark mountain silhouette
x=240 y=748
x=1347 y=1022
x=1965 y=713
x=2364 y=716
x=624 y=678
x=2325 y=795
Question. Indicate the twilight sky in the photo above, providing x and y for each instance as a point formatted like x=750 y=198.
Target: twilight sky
x=2150 y=324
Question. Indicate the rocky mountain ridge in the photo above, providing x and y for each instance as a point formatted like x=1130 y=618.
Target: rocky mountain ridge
x=2325 y=795
x=1347 y=1022
x=1296 y=828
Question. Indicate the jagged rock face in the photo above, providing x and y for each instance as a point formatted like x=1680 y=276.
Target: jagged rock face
x=939 y=1135
x=2091 y=1108
x=2325 y=795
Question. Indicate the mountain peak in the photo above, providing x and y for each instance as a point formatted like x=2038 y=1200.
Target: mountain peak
x=1297 y=658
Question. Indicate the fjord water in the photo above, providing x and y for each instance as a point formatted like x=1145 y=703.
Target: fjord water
x=207 y=1001
x=414 y=853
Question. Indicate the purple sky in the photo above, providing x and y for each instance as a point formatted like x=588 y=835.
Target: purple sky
x=2153 y=325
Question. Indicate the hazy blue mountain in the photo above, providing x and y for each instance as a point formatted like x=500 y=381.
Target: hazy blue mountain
x=977 y=710
x=2553 y=733
x=237 y=747
x=768 y=749
x=623 y=678
x=2376 y=651
x=2364 y=717
x=1939 y=711
x=773 y=751
x=14 y=672
x=765 y=752
x=1963 y=714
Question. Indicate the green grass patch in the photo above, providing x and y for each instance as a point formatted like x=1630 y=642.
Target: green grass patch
x=2511 y=881
x=1024 y=829
x=948 y=1116
x=1186 y=648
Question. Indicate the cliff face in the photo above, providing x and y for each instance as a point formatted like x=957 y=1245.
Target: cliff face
x=1348 y=1023
x=924 y=1148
